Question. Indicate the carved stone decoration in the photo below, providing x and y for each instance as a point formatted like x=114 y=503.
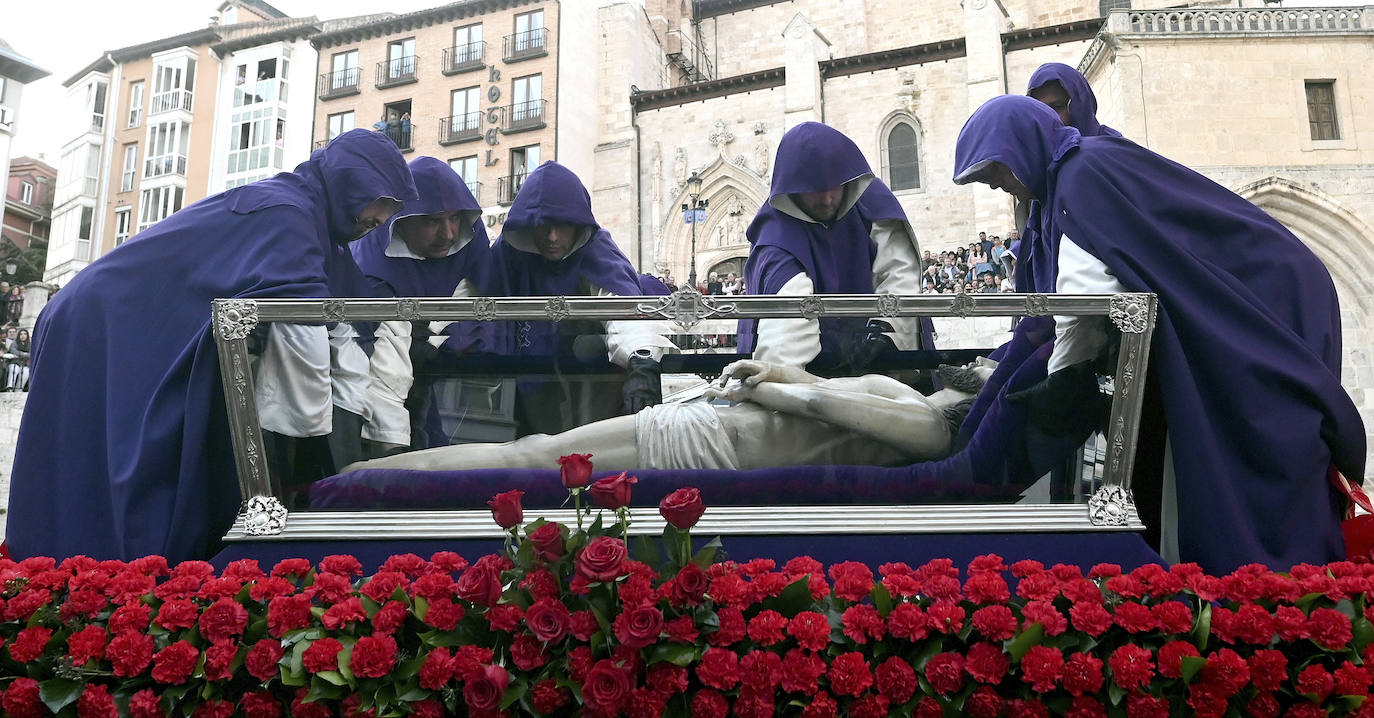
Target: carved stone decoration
x=888 y=305
x=333 y=310
x=235 y=318
x=685 y=307
x=679 y=167
x=264 y=516
x=760 y=128
x=484 y=308
x=408 y=309
x=721 y=137
x=761 y=154
x=961 y=305
x=812 y=308
x=1110 y=506
x=1037 y=305
x=556 y=309
x=1129 y=312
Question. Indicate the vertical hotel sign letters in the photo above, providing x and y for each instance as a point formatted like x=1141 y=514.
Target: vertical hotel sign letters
x=493 y=134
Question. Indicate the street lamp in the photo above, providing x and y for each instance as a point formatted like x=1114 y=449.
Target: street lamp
x=693 y=191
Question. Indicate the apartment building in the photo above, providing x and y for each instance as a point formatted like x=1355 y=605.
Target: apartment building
x=27 y=219
x=15 y=72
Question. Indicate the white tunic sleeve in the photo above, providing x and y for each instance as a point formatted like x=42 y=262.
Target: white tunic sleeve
x=464 y=290
x=624 y=338
x=897 y=270
x=392 y=376
x=791 y=341
x=348 y=370
x=1079 y=339
x=292 y=383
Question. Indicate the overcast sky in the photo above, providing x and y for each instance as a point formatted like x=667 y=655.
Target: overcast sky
x=63 y=36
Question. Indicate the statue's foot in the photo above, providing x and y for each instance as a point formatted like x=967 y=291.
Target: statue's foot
x=966 y=379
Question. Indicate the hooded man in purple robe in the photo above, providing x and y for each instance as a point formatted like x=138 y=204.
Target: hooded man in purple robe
x=1246 y=355
x=829 y=227
x=551 y=245
x=435 y=247
x=124 y=450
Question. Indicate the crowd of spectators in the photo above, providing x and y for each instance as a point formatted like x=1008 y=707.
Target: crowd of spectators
x=713 y=283
x=987 y=265
x=14 y=371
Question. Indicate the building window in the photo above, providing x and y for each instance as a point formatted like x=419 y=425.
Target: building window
x=136 y=104
x=1321 y=109
x=123 y=219
x=523 y=160
x=173 y=84
x=467 y=45
x=256 y=82
x=344 y=71
x=340 y=123
x=466 y=167
x=527 y=108
x=398 y=125
x=529 y=35
x=83 y=234
x=168 y=143
x=400 y=57
x=252 y=138
x=26 y=193
x=95 y=100
x=1106 y=6
x=158 y=203
x=901 y=157
x=126 y=180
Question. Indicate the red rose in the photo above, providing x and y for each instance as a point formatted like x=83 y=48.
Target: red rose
x=602 y=560
x=606 y=686
x=849 y=674
x=548 y=697
x=1132 y=667
x=96 y=702
x=709 y=704
x=682 y=508
x=22 y=700
x=505 y=508
x=373 y=656
x=896 y=679
x=224 y=618
x=263 y=658
x=528 y=653
x=218 y=659
x=987 y=663
x=548 y=619
x=322 y=655
x=1083 y=674
x=945 y=672
x=286 y=613
x=719 y=668
x=688 y=586
x=260 y=704
x=613 y=492
x=483 y=691
x=175 y=663
x=575 y=470
x=547 y=541
x=29 y=644
x=130 y=652
x=480 y=584
x=87 y=645
x=639 y=626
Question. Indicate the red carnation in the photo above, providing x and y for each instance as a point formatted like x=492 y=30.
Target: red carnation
x=129 y=653
x=767 y=628
x=908 y=621
x=946 y=616
x=373 y=656
x=547 y=541
x=1351 y=680
x=821 y=706
x=314 y=709
x=1083 y=674
x=213 y=709
x=548 y=697
x=849 y=674
x=1143 y=705
x=810 y=629
x=896 y=679
x=575 y=470
x=719 y=668
x=129 y=617
x=482 y=691
x=1042 y=667
x=987 y=588
x=287 y=613
x=613 y=492
x=602 y=560
x=83 y=604
x=639 y=626
x=682 y=508
x=1132 y=667
x=175 y=663
x=1173 y=617
x=709 y=704
x=945 y=672
x=263 y=658
x=1090 y=617
x=853 y=580
x=22 y=606
x=583 y=625
x=292 y=568
x=1026 y=708
x=527 y=653
x=505 y=617
x=219 y=656
x=861 y=622
x=224 y=618
x=260 y=704
x=330 y=588
x=1316 y=682
x=1263 y=705
x=29 y=644
x=870 y=706
x=96 y=702
x=1086 y=707
x=506 y=510
x=1225 y=671
x=760 y=672
x=341 y=614
x=1136 y=617
x=607 y=685
x=383 y=585
x=995 y=623
x=437 y=670
x=430 y=586
x=341 y=564
x=681 y=630
x=444 y=614
x=1171 y=657
x=322 y=655
x=731 y=627
x=22 y=699
x=801 y=672
x=177 y=614
x=87 y=645
x=987 y=663
x=1329 y=628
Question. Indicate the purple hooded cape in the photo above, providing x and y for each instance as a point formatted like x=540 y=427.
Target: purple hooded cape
x=1247 y=347
x=124 y=449
x=838 y=258
x=441 y=190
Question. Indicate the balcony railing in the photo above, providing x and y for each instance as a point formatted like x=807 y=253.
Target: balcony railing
x=525 y=45
x=339 y=83
x=689 y=57
x=267 y=90
x=169 y=101
x=464 y=58
x=523 y=116
x=164 y=165
x=97 y=123
x=507 y=187
x=319 y=143
x=402 y=135
x=460 y=128
x=397 y=72
x=1250 y=20
x=476 y=189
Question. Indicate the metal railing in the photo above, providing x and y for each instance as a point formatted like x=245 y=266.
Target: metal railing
x=464 y=58
x=164 y=165
x=689 y=57
x=525 y=116
x=507 y=187
x=460 y=128
x=339 y=83
x=1251 y=20
x=476 y=189
x=402 y=135
x=525 y=45
x=169 y=101
x=397 y=72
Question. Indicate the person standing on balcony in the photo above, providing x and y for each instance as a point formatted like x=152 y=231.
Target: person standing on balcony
x=551 y=245
x=124 y=450
x=829 y=227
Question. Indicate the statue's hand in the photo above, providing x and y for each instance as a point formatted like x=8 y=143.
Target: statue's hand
x=736 y=392
x=751 y=373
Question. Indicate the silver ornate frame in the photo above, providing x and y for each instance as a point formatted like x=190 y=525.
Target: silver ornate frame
x=262 y=516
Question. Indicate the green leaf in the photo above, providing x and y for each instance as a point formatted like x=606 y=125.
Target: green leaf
x=1363 y=634
x=514 y=693
x=1347 y=607
x=678 y=654
x=706 y=555
x=882 y=600
x=1203 y=629
x=793 y=600
x=1189 y=667
x=644 y=551
x=1115 y=693
x=1030 y=637
x=412 y=693
x=291 y=679
x=334 y=677
x=1305 y=603
x=58 y=693
x=370 y=606
x=410 y=669
x=323 y=690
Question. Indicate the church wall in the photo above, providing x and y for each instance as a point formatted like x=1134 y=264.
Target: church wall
x=1023 y=63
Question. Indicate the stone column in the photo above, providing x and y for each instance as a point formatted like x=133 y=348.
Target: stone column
x=984 y=22
x=803 y=49
x=35 y=298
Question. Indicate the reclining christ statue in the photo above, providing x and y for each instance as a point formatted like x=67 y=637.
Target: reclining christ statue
x=781 y=416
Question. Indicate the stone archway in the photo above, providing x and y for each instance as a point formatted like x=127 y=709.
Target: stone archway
x=733 y=195
x=1345 y=244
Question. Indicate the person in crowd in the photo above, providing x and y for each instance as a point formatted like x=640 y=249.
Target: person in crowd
x=829 y=226
x=551 y=245
x=405 y=129
x=16 y=303
x=714 y=285
x=17 y=356
x=1245 y=358
x=155 y=470
x=732 y=284
x=436 y=247
x=988 y=283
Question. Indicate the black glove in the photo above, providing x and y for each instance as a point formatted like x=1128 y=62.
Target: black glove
x=861 y=351
x=257 y=338
x=421 y=351
x=1066 y=403
x=643 y=384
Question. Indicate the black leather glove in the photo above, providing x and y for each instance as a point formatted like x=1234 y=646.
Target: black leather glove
x=1066 y=403
x=257 y=338
x=643 y=384
x=421 y=351
x=861 y=351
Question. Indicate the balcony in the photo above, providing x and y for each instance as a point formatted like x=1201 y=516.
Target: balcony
x=476 y=189
x=523 y=116
x=507 y=187
x=399 y=71
x=319 y=143
x=464 y=58
x=340 y=83
x=170 y=101
x=460 y=128
x=402 y=136
x=251 y=93
x=164 y=165
x=97 y=123
x=525 y=45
